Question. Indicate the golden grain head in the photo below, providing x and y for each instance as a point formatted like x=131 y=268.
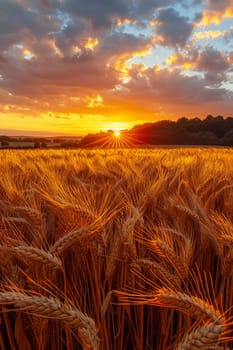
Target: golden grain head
x=116 y=249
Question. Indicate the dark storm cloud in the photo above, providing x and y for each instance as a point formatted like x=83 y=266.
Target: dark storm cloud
x=173 y=29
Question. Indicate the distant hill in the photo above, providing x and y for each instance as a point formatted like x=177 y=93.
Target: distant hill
x=210 y=131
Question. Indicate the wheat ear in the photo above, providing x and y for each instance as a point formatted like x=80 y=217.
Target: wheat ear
x=164 y=251
x=35 y=254
x=70 y=239
x=52 y=308
x=160 y=272
x=203 y=337
x=113 y=258
x=33 y=214
x=191 y=305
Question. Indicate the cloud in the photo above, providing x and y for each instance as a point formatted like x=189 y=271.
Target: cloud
x=216 y=5
x=173 y=30
x=62 y=57
x=100 y=13
x=163 y=83
x=212 y=60
x=216 y=11
x=87 y=69
x=213 y=63
x=154 y=92
x=209 y=34
x=104 y=13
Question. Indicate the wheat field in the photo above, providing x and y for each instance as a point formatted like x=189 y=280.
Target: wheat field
x=116 y=249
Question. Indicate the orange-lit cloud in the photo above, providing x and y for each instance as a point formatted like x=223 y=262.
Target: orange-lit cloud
x=93 y=102
x=73 y=68
x=216 y=11
x=207 y=58
x=210 y=34
x=216 y=17
x=91 y=43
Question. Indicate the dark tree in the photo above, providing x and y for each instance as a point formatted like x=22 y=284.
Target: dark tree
x=4 y=144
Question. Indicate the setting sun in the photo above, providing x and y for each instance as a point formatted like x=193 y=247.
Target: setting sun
x=117 y=133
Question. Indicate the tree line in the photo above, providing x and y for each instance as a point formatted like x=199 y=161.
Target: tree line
x=209 y=131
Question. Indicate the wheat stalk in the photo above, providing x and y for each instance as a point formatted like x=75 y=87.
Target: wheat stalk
x=227 y=265
x=15 y=220
x=113 y=258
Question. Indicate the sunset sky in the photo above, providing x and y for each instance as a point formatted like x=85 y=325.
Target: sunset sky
x=76 y=66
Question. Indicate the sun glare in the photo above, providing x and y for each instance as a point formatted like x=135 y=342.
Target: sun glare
x=117 y=133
